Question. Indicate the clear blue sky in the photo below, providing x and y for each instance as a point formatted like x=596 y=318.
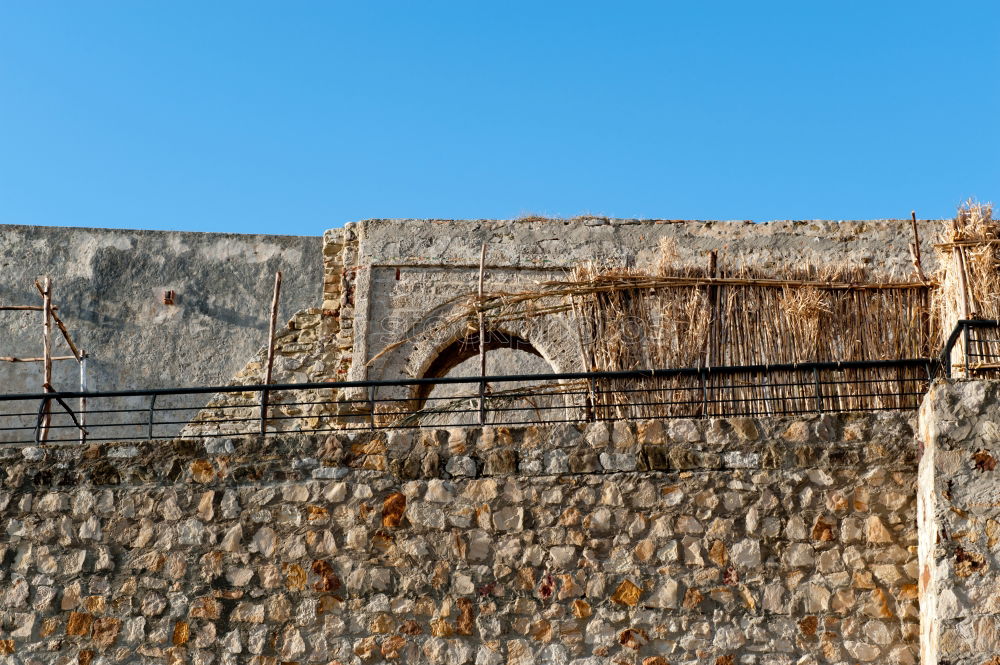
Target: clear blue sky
x=296 y=116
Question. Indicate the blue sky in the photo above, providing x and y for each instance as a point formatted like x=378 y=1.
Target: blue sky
x=297 y=116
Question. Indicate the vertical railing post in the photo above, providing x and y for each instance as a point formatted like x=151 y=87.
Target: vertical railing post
x=43 y=408
x=152 y=409
x=371 y=407
x=263 y=411
x=83 y=399
x=482 y=402
x=704 y=392
x=965 y=352
x=819 y=391
x=598 y=400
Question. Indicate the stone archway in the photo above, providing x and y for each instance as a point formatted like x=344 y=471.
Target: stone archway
x=456 y=354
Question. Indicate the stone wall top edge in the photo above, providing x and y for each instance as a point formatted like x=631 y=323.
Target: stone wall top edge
x=856 y=442
x=638 y=221
x=162 y=232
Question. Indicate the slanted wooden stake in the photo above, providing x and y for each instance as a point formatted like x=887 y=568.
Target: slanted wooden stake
x=915 y=249
x=270 y=351
x=46 y=415
x=482 y=339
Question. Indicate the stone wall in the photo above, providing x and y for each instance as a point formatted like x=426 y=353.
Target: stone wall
x=390 y=287
x=409 y=273
x=109 y=287
x=109 y=284
x=784 y=541
x=959 y=496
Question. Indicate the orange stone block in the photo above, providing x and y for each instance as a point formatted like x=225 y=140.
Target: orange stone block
x=202 y=471
x=466 y=617
x=822 y=530
x=295 y=577
x=581 y=609
x=633 y=638
x=627 y=593
x=692 y=598
x=328 y=580
x=6 y=647
x=718 y=553
x=392 y=646
x=316 y=512
x=79 y=623
x=182 y=632
x=392 y=510
x=206 y=607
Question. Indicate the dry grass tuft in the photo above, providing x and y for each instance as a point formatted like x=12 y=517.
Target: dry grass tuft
x=970 y=281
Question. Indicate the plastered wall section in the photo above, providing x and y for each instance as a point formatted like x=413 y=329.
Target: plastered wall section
x=959 y=495
x=109 y=286
x=733 y=541
x=407 y=275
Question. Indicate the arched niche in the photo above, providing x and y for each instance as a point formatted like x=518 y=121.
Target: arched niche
x=441 y=342
x=457 y=354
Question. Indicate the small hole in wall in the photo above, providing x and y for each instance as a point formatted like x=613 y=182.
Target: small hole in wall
x=397 y=274
x=168 y=297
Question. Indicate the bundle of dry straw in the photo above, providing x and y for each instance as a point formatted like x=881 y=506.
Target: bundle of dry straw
x=671 y=316
x=970 y=287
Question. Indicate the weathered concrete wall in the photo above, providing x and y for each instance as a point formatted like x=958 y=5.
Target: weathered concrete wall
x=390 y=287
x=408 y=273
x=732 y=541
x=108 y=285
x=959 y=493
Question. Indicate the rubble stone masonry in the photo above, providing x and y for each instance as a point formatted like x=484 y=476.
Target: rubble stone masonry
x=771 y=541
x=959 y=524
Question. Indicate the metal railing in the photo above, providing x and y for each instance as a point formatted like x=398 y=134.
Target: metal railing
x=692 y=392
x=752 y=390
x=979 y=342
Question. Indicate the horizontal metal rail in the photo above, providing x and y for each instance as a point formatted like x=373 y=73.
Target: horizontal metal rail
x=503 y=378
x=688 y=392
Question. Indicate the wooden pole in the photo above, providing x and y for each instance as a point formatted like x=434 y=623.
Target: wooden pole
x=711 y=332
x=46 y=358
x=960 y=267
x=62 y=327
x=964 y=287
x=482 y=339
x=915 y=248
x=270 y=351
x=12 y=359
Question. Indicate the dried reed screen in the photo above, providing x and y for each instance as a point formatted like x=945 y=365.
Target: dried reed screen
x=677 y=319
x=970 y=251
